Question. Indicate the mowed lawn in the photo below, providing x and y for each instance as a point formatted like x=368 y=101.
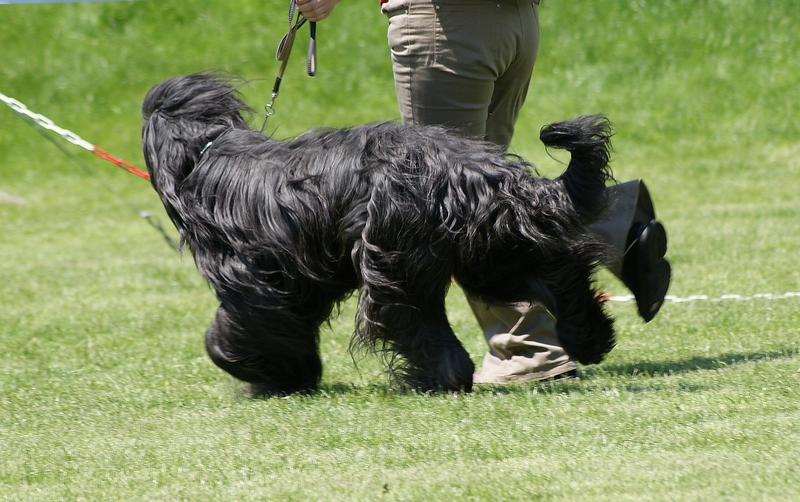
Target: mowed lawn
x=106 y=392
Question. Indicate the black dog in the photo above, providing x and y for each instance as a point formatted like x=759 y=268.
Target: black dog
x=284 y=230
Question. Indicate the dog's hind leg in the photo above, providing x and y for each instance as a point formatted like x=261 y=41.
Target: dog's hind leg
x=562 y=283
x=274 y=351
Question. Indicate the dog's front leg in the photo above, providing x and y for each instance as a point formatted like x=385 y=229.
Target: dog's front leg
x=401 y=314
x=419 y=347
x=275 y=352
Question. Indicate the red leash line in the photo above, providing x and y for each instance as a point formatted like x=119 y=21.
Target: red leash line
x=120 y=163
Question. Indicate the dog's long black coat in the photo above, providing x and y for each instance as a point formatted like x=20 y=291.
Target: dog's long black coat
x=283 y=230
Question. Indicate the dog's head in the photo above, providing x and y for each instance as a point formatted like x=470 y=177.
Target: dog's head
x=181 y=116
x=203 y=98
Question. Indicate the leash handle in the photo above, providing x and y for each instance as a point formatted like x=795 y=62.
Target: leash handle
x=311 y=58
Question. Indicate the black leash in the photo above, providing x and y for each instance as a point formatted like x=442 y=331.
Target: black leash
x=285 y=49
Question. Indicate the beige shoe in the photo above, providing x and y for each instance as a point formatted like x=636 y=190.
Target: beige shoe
x=563 y=373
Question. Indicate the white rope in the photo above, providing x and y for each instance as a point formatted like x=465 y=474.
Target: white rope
x=46 y=123
x=694 y=298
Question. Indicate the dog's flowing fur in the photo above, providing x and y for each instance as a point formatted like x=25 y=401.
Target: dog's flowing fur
x=284 y=230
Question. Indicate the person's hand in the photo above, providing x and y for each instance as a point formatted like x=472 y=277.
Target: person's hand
x=316 y=10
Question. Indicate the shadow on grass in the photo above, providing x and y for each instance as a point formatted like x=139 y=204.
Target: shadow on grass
x=651 y=377
x=660 y=368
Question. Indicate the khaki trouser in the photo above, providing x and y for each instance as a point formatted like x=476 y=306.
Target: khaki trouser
x=467 y=64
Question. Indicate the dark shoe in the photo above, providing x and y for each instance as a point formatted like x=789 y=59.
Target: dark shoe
x=651 y=290
x=645 y=271
x=644 y=249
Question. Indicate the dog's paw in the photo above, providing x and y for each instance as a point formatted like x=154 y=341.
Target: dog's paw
x=587 y=346
x=454 y=371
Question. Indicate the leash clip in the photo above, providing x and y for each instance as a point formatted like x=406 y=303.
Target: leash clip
x=283 y=52
x=269 y=108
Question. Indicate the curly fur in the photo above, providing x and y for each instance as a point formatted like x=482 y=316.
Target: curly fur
x=284 y=230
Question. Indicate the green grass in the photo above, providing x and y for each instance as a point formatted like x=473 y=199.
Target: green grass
x=106 y=392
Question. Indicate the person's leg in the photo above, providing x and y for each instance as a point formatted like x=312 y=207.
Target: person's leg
x=453 y=68
x=523 y=344
x=629 y=202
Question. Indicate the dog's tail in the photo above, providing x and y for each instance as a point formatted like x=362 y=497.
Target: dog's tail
x=587 y=139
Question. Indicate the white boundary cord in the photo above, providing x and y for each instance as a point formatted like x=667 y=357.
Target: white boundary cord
x=694 y=298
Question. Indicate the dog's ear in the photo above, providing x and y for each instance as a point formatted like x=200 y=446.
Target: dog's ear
x=169 y=157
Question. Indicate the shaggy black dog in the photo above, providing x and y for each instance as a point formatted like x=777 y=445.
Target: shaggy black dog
x=284 y=230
